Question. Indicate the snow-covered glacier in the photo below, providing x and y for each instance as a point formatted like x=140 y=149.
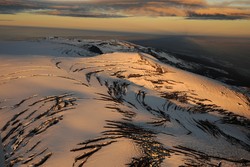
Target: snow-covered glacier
x=75 y=102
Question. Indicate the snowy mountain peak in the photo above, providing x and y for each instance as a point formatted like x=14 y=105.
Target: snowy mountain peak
x=74 y=102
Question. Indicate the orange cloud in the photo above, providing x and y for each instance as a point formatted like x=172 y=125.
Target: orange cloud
x=191 y=9
x=225 y=11
x=191 y=2
x=149 y=10
x=221 y=13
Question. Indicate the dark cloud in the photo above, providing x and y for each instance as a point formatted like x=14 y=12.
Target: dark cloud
x=17 y=6
x=12 y=9
x=197 y=16
x=124 y=8
x=79 y=14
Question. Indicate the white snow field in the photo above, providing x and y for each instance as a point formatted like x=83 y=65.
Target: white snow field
x=74 y=102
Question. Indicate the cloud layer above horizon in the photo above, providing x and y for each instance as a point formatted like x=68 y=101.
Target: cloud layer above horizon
x=190 y=9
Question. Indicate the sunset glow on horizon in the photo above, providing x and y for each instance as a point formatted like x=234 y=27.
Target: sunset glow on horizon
x=198 y=17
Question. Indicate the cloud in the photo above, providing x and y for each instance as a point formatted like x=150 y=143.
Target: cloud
x=17 y=6
x=196 y=16
x=233 y=3
x=80 y=14
x=225 y=13
x=191 y=9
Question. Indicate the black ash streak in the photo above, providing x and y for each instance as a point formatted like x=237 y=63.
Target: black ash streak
x=15 y=134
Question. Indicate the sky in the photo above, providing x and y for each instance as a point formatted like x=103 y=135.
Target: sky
x=201 y=17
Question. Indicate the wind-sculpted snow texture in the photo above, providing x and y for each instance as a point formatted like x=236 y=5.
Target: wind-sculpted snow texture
x=124 y=108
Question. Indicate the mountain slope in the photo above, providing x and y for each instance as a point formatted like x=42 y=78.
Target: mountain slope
x=67 y=104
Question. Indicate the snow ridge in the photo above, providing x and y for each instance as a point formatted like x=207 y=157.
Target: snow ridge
x=108 y=103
